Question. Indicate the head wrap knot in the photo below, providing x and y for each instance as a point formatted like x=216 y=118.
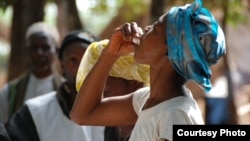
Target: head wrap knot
x=195 y=42
x=125 y=67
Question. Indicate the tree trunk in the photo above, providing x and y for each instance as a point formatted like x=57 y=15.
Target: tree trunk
x=25 y=12
x=157 y=9
x=68 y=17
x=233 y=117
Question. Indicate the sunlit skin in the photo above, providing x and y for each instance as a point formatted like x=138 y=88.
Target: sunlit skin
x=118 y=111
x=153 y=38
x=41 y=52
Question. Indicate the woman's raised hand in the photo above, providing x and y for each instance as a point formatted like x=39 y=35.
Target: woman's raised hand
x=124 y=38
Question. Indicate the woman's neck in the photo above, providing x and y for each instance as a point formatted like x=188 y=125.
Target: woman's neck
x=165 y=83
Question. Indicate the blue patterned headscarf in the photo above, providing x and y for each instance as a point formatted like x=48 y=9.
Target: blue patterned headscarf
x=195 y=42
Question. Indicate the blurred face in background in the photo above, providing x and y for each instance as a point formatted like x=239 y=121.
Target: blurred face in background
x=71 y=58
x=41 y=51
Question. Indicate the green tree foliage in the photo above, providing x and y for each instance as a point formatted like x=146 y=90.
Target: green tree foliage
x=237 y=12
x=136 y=7
x=4 y=4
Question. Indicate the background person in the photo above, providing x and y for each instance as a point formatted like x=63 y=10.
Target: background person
x=46 y=118
x=42 y=45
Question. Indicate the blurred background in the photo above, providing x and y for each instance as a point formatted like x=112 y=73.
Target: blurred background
x=102 y=16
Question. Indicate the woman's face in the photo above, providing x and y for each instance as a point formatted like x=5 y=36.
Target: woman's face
x=152 y=43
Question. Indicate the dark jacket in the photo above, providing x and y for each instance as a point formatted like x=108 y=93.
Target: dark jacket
x=4 y=136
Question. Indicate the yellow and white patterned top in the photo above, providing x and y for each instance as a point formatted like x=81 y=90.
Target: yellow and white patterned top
x=125 y=67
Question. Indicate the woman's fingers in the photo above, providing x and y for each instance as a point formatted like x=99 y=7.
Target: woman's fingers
x=127 y=32
x=124 y=38
x=131 y=32
x=136 y=33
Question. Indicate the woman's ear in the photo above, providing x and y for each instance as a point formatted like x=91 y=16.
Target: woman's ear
x=166 y=39
x=166 y=53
